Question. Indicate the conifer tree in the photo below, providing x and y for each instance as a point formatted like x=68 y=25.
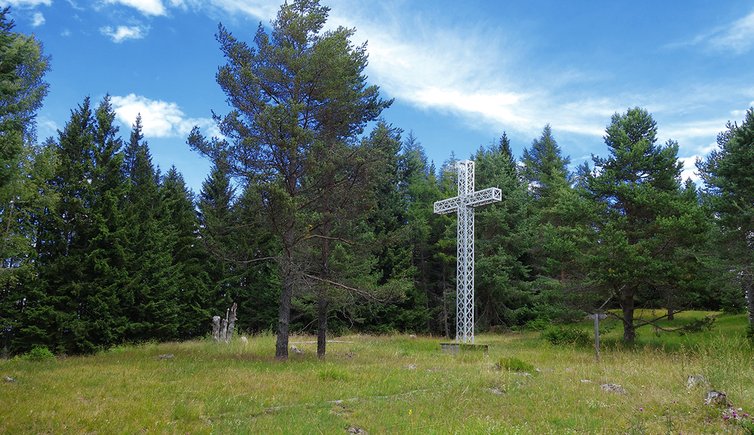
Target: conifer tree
x=23 y=167
x=298 y=89
x=146 y=298
x=60 y=310
x=729 y=185
x=642 y=214
x=187 y=282
x=504 y=235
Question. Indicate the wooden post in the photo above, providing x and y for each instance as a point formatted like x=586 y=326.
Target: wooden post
x=231 y=322
x=216 y=328
x=597 y=316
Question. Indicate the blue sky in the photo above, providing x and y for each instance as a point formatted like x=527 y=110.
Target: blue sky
x=461 y=73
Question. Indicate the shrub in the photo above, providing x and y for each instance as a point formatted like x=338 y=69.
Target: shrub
x=39 y=353
x=559 y=335
x=514 y=365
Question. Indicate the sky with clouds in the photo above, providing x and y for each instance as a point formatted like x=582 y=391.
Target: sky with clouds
x=461 y=73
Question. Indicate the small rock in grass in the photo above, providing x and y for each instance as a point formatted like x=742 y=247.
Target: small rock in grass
x=412 y=336
x=412 y=366
x=695 y=380
x=296 y=350
x=717 y=398
x=9 y=379
x=586 y=381
x=496 y=391
x=613 y=388
x=166 y=356
x=356 y=430
x=244 y=340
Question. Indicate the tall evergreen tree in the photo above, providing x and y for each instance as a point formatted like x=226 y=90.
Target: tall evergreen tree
x=504 y=234
x=544 y=167
x=22 y=69
x=188 y=280
x=146 y=298
x=298 y=89
x=642 y=212
x=60 y=311
x=729 y=184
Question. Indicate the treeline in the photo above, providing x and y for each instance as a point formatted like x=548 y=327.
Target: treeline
x=310 y=224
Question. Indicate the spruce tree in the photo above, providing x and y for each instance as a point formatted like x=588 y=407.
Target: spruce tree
x=60 y=310
x=504 y=237
x=729 y=187
x=187 y=283
x=146 y=298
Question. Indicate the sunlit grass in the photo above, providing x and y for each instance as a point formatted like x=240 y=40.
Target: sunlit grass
x=384 y=384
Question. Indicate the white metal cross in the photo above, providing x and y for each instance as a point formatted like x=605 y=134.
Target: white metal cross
x=463 y=205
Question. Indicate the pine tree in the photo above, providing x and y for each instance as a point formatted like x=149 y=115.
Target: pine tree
x=643 y=220
x=298 y=90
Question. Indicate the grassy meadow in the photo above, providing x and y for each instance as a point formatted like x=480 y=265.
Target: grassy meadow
x=389 y=384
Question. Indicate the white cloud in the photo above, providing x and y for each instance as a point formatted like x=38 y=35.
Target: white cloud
x=261 y=9
x=159 y=118
x=146 y=7
x=738 y=36
x=689 y=169
x=25 y=3
x=122 y=33
x=37 y=19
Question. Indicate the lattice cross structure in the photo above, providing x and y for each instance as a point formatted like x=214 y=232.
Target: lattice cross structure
x=464 y=205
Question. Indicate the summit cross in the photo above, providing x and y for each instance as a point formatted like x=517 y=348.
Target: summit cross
x=463 y=205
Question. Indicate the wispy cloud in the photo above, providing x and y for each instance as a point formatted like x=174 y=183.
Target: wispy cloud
x=159 y=118
x=37 y=19
x=736 y=37
x=123 y=33
x=25 y=3
x=146 y=7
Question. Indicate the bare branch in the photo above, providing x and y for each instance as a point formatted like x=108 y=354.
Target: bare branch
x=362 y=293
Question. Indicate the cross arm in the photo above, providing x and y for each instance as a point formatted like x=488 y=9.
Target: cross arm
x=483 y=197
x=446 y=206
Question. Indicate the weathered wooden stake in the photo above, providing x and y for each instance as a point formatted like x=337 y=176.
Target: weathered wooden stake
x=216 y=328
x=597 y=316
x=231 y=322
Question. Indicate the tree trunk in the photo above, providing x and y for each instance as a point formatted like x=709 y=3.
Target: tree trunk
x=671 y=309
x=322 y=307
x=627 y=303
x=284 y=310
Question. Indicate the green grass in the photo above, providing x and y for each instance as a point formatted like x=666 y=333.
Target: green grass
x=386 y=384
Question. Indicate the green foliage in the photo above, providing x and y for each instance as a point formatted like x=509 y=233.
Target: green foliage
x=563 y=335
x=698 y=325
x=647 y=226
x=39 y=353
x=513 y=364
